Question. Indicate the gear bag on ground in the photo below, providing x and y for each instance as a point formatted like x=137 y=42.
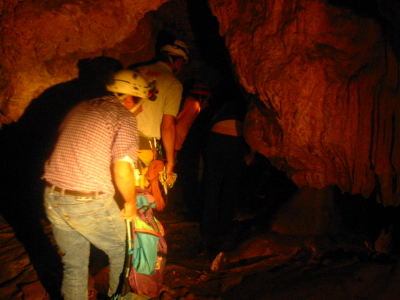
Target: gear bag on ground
x=149 y=251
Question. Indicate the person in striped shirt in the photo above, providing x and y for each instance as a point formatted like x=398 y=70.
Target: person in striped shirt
x=95 y=151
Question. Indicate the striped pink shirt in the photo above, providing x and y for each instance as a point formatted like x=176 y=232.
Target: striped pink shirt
x=94 y=134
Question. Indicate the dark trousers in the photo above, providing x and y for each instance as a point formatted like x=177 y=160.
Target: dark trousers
x=224 y=164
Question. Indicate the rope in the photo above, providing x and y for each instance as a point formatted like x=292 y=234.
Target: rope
x=152 y=175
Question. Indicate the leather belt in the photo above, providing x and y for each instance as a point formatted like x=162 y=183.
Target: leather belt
x=74 y=193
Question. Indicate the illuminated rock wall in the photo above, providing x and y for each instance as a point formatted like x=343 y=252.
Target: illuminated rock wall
x=328 y=81
x=41 y=42
x=327 y=76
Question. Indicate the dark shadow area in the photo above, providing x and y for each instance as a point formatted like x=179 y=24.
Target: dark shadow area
x=267 y=189
x=362 y=8
x=25 y=146
x=205 y=28
x=381 y=11
x=367 y=219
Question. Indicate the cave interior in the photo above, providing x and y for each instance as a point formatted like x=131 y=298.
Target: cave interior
x=319 y=215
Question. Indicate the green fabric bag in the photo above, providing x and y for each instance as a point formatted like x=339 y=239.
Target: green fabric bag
x=147 y=232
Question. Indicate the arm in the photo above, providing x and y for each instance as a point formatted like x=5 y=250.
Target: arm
x=185 y=119
x=125 y=181
x=171 y=108
x=168 y=138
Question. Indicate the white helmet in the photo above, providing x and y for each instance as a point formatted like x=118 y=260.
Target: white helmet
x=129 y=82
x=177 y=48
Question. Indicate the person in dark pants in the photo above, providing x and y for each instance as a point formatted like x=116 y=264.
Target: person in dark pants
x=192 y=130
x=224 y=165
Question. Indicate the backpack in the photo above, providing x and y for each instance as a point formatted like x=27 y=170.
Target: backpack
x=149 y=250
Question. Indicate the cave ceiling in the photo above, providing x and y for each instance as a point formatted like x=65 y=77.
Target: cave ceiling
x=321 y=77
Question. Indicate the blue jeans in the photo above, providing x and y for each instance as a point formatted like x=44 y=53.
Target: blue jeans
x=77 y=222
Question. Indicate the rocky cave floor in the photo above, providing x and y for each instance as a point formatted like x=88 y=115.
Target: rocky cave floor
x=266 y=266
x=260 y=265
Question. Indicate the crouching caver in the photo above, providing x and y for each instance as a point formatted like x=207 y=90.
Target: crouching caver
x=97 y=142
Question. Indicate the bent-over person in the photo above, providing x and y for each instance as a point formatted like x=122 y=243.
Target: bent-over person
x=97 y=144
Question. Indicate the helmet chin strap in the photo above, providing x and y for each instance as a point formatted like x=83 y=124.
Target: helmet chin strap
x=120 y=97
x=137 y=105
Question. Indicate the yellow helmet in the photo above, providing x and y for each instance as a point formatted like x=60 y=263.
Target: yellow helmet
x=129 y=82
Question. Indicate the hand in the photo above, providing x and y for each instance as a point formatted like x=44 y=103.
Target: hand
x=169 y=168
x=171 y=178
x=129 y=211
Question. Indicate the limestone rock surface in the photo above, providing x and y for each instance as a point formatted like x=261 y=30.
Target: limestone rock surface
x=41 y=42
x=327 y=79
x=18 y=278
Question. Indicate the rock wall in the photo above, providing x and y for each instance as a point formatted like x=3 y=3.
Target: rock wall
x=41 y=42
x=327 y=77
